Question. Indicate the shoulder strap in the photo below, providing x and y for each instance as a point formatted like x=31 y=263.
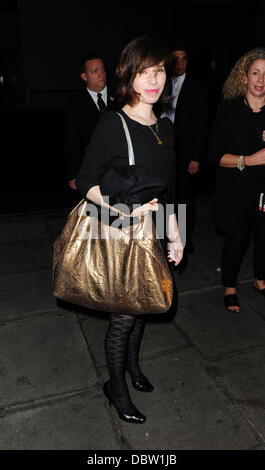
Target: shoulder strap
x=129 y=142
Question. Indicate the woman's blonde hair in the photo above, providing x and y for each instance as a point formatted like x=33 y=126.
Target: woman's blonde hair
x=235 y=84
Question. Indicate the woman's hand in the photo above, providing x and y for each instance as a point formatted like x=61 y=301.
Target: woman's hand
x=175 y=252
x=257 y=158
x=263 y=136
x=177 y=255
x=175 y=247
x=72 y=184
x=145 y=208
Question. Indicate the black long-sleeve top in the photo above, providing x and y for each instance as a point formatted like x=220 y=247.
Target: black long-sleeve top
x=236 y=130
x=108 y=146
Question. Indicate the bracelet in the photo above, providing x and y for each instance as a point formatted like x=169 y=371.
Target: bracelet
x=177 y=245
x=241 y=163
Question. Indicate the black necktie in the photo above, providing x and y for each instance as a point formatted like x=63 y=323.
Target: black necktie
x=101 y=104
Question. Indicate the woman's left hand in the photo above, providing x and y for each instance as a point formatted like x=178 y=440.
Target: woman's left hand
x=263 y=136
x=177 y=254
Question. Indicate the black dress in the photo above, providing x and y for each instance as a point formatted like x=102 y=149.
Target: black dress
x=153 y=162
x=108 y=146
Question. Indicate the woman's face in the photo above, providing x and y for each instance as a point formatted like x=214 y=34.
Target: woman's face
x=150 y=83
x=256 y=78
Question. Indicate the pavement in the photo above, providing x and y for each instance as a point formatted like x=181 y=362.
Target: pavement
x=207 y=365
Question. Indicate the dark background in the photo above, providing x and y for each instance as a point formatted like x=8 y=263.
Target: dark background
x=41 y=43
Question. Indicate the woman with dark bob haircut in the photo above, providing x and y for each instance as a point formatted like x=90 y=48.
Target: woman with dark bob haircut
x=141 y=78
x=237 y=148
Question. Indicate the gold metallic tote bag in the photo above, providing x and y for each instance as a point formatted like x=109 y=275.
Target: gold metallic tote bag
x=108 y=268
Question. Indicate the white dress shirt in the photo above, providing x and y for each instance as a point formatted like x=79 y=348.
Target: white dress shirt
x=176 y=87
x=94 y=96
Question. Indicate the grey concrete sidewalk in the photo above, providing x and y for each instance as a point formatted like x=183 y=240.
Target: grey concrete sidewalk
x=207 y=365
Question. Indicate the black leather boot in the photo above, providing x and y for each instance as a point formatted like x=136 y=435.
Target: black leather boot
x=130 y=416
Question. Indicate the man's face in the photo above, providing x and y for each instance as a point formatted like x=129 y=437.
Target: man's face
x=94 y=75
x=181 y=62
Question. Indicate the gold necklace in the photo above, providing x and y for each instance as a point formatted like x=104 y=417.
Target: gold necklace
x=159 y=141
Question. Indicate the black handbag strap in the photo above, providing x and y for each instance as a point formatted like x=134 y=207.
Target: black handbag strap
x=129 y=141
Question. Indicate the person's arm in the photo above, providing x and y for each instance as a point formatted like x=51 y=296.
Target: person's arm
x=94 y=195
x=102 y=147
x=174 y=241
x=217 y=143
x=229 y=160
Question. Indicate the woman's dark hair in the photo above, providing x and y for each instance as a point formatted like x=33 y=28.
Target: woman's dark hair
x=139 y=54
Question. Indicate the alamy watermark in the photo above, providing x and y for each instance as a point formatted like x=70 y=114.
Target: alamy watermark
x=108 y=227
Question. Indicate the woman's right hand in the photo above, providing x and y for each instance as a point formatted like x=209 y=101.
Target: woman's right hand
x=257 y=158
x=72 y=184
x=145 y=208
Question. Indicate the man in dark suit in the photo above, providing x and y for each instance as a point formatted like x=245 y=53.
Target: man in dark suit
x=188 y=110
x=83 y=112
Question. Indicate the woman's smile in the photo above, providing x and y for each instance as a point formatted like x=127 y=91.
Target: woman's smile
x=152 y=91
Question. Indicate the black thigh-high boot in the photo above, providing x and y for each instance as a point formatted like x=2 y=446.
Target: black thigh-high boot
x=139 y=381
x=116 y=344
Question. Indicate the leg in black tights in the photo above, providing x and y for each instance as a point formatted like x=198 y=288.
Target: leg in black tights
x=116 y=344
x=139 y=381
x=134 y=343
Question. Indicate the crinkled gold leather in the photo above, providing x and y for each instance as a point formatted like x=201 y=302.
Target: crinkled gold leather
x=127 y=275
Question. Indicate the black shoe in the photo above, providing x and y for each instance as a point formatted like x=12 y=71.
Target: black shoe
x=142 y=384
x=134 y=417
x=231 y=300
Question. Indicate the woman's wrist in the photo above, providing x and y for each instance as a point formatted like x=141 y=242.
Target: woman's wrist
x=175 y=245
x=241 y=162
x=173 y=237
x=247 y=160
x=122 y=215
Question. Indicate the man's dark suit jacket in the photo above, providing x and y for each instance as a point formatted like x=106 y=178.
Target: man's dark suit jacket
x=191 y=127
x=191 y=122
x=81 y=118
